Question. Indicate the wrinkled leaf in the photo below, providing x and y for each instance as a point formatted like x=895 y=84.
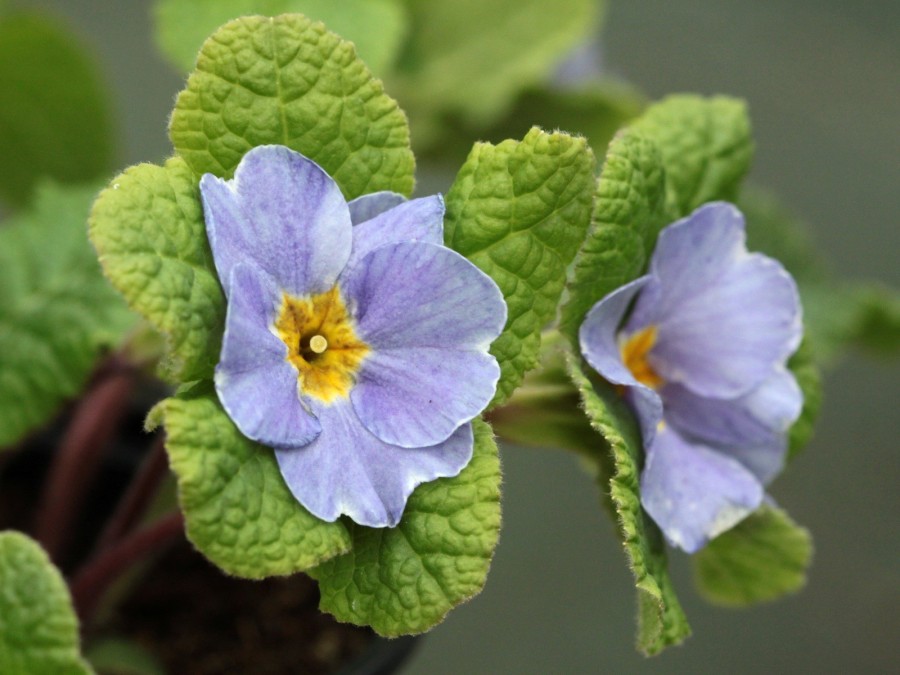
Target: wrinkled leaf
x=519 y=211
x=38 y=626
x=238 y=510
x=405 y=579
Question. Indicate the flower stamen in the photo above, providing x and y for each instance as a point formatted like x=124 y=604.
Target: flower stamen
x=318 y=344
x=635 y=349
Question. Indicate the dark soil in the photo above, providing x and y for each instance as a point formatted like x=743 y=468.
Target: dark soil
x=199 y=622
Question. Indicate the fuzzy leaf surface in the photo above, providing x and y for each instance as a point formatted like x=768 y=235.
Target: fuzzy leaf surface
x=288 y=81
x=238 y=510
x=38 y=626
x=519 y=211
x=706 y=147
x=148 y=229
x=661 y=620
x=57 y=312
x=55 y=113
x=376 y=27
x=762 y=558
x=405 y=579
x=629 y=211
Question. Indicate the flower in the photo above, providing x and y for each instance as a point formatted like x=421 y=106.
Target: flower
x=701 y=359
x=355 y=345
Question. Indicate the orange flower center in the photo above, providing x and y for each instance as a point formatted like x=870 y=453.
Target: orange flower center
x=322 y=343
x=635 y=349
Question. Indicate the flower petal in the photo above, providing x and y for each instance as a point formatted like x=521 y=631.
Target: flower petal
x=253 y=377
x=419 y=396
x=693 y=492
x=415 y=220
x=751 y=428
x=348 y=471
x=598 y=338
x=283 y=213
x=368 y=206
x=725 y=317
x=422 y=295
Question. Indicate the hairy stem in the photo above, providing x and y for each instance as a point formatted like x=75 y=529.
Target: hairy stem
x=97 y=575
x=92 y=426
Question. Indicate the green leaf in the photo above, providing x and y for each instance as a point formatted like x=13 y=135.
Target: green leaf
x=405 y=579
x=762 y=558
x=38 y=627
x=238 y=511
x=376 y=27
x=629 y=211
x=471 y=57
x=148 y=229
x=123 y=657
x=288 y=81
x=55 y=117
x=705 y=144
x=519 y=211
x=661 y=621
x=57 y=313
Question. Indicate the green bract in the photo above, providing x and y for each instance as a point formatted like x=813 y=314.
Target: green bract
x=57 y=313
x=55 y=115
x=519 y=211
x=288 y=81
x=405 y=579
x=38 y=627
x=376 y=27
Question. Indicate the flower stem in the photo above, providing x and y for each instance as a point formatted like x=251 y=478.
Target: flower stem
x=92 y=426
x=140 y=492
x=92 y=581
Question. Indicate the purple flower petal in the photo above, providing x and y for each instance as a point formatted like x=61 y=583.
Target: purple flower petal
x=725 y=317
x=368 y=206
x=415 y=220
x=257 y=386
x=429 y=316
x=693 y=492
x=348 y=471
x=283 y=213
x=751 y=428
x=598 y=337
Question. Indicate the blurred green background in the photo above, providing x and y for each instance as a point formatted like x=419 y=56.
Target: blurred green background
x=821 y=78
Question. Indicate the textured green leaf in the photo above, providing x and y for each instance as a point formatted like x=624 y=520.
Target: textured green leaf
x=55 y=117
x=148 y=229
x=238 y=511
x=837 y=314
x=629 y=211
x=762 y=558
x=376 y=27
x=472 y=57
x=405 y=579
x=661 y=621
x=519 y=211
x=57 y=313
x=38 y=627
x=116 y=656
x=705 y=144
x=288 y=81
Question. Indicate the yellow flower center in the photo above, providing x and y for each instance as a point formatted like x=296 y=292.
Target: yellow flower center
x=322 y=343
x=635 y=349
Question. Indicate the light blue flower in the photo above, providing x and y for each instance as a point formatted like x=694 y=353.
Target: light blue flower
x=355 y=344
x=701 y=358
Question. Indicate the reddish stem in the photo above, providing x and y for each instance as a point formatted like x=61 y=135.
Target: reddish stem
x=92 y=581
x=92 y=426
x=137 y=498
